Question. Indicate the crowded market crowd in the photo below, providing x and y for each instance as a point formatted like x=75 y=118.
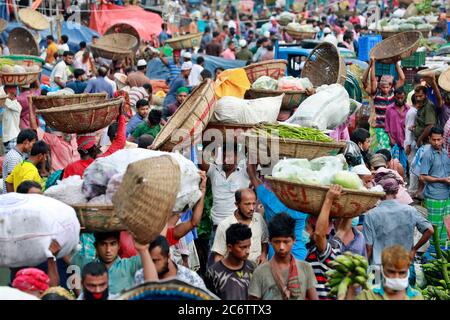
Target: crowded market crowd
x=239 y=241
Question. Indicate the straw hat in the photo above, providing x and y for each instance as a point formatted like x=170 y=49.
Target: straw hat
x=444 y=80
x=33 y=19
x=3 y=25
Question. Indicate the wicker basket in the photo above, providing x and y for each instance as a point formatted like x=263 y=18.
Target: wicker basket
x=127 y=29
x=115 y=46
x=397 y=47
x=300 y=35
x=291 y=99
x=325 y=66
x=33 y=19
x=185 y=42
x=142 y=202
x=388 y=34
x=444 y=80
x=271 y=68
x=309 y=198
x=3 y=25
x=98 y=218
x=46 y=102
x=82 y=118
x=22 y=41
x=19 y=79
x=291 y=148
x=191 y=118
x=172 y=289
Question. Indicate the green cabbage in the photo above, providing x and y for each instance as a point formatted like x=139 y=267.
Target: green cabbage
x=347 y=179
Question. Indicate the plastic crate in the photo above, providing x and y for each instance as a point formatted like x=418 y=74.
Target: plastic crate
x=410 y=74
x=416 y=60
x=382 y=69
x=366 y=43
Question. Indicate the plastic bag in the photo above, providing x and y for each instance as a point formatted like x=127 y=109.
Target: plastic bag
x=67 y=191
x=265 y=83
x=347 y=179
x=327 y=109
x=291 y=83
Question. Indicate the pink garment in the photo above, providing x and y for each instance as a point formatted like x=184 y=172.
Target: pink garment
x=25 y=113
x=402 y=195
x=228 y=54
x=341 y=133
x=62 y=152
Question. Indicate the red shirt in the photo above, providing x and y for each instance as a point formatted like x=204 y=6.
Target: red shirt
x=78 y=167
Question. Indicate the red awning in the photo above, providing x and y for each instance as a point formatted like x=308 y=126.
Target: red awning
x=146 y=23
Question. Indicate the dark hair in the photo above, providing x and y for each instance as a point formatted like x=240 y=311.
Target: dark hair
x=360 y=135
x=40 y=147
x=128 y=70
x=26 y=134
x=94 y=268
x=68 y=53
x=161 y=242
x=281 y=225
x=112 y=130
x=386 y=153
x=94 y=37
x=215 y=34
x=78 y=73
x=26 y=185
x=270 y=47
x=238 y=194
x=64 y=38
x=53 y=296
x=141 y=103
x=399 y=90
x=207 y=29
x=148 y=87
x=205 y=74
x=163 y=25
x=420 y=88
x=237 y=232
x=218 y=68
x=437 y=30
x=82 y=45
x=102 y=236
x=230 y=43
x=436 y=130
x=413 y=99
x=200 y=60
x=103 y=71
x=141 y=68
x=50 y=37
x=155 y=116
x=144 y=141
x=348 y=35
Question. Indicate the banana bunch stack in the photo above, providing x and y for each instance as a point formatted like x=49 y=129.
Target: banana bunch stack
x=349 y=269
x=436 y=273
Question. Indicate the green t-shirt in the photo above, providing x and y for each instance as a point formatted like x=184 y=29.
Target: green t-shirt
x=244 y=54
x=144 y=128
x=425 y=116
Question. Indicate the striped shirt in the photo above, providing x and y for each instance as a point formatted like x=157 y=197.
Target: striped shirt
x=137 y=93
x=319 y=262
x=174 y=71
x=12 y=159
x=381 y=104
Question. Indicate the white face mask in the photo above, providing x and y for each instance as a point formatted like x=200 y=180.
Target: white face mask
x=396 y=284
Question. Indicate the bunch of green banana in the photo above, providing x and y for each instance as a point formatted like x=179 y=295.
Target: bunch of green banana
x=348 y=269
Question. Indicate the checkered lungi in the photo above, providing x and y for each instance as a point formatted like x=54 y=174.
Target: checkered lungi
x=437 y=210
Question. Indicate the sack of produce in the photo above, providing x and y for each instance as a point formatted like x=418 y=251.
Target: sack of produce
x=67 y=191
x=327 y=109
x=100 y=173
x=235 y=110
x=265 y=83
x=294 y=26
x=347 y=179
x=291 y=83
x=29 y=223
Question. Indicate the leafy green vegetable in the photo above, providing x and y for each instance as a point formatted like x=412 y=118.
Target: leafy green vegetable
x=347 y=179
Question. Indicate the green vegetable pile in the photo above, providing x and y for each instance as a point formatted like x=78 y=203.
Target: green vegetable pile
x=292 y=132
x=349 y=269
x=424 y=7
x=6 y=62
x=436 y=274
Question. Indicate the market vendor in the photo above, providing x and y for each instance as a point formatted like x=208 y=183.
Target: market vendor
x=151 y=126
x=182 y=94
x=180 y=81
x=382 y=94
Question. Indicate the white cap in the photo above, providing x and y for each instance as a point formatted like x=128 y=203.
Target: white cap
x=361 y=170
x=326 y=30
x=242 y=43
x=272 y=18
x=142 y=63
x=187 y=55
x=186 y=66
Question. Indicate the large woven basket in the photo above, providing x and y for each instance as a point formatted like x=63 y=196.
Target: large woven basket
x=309 y=198
x=324 y=66
x=300 y=35
x=115 y=46
x=146 y=197
x=388 y=34
x=33 y=19
x=22 y=41
x=172 y=289
x=397 y=47
x=444 y=80
x=290 y=148
x=190 y=119
x=125 y=28
x=185 y=42
x=82 y=118
x=98 y=218
x=46 y=102
x=271 y=68
x=291 y=99
x=19 y=79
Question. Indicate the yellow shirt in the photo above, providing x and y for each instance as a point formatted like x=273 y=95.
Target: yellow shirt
x=22 y=172
x=51 y=50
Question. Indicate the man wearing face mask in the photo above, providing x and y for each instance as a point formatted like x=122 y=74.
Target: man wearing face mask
x=395 y=285
x=94 y=280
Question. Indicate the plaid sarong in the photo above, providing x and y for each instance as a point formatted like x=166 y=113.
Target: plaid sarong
x=380 y=139
x=437 y=210
x=399 y=153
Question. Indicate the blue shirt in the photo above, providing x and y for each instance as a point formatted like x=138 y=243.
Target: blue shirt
x=163 y=36
x=174 y=86
x=436 y=164
x=391 y=223
x=174 y=71
x=99 y=85
x=273 y=206
x=133 y=123
x=77 y=86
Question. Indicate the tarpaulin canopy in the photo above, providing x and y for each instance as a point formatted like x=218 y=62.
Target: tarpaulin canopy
x=146 y=23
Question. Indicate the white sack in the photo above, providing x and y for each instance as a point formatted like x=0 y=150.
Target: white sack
x=67 y=190
x=29 y=223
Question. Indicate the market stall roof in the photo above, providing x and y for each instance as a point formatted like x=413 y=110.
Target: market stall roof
x=146 y=23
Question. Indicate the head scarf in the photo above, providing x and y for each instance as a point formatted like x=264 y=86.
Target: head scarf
x=386 y=79
x=182 y=89
x=31 y=279
x=378 y=160
x=85 y=142
x=390 y=185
